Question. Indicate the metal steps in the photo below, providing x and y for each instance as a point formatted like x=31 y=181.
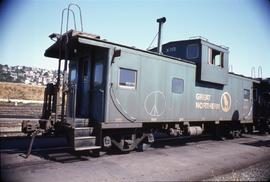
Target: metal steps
x=84 y=138
x=87 y=148
x=83 y=131
x=85 y=141
x=81 y=122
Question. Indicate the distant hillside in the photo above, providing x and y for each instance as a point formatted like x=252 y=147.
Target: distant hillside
x=27 y=75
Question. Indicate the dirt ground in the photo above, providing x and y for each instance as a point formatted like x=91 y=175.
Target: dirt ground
x=21 y=91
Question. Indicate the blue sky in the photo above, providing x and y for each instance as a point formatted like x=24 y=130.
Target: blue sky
x=241 y=25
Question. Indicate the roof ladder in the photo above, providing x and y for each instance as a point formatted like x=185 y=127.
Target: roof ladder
x=69 y=9
x=65 y=46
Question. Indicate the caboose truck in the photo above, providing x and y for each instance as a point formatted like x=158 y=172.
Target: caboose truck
x=121 y=96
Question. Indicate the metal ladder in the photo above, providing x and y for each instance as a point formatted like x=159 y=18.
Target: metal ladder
x=64 y=82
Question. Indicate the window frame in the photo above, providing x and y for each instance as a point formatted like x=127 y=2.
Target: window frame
x=182 y=84
x=245 y=94
x=212 y=61
x=198 y=51
x=96 y=83
x=125 y=86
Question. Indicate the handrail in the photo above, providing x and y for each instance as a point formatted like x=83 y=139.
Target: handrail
x=74 y=20
x=72 y=4
x=198 y=37
x=119 y=107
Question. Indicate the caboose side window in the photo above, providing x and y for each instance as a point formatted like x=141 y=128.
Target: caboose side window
x=177 y=85
x=215 y=57
x=246 y=94
x=192 y=51
x=73 y=74
x=98 y=74
x=127 y=78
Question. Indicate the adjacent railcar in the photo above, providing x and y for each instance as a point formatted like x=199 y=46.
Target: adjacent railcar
x=261 y=96
x=119 y=95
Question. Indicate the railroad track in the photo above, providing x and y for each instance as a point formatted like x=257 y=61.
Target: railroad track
x=12 y=126
x=59 y=143
x=12 y=115
x=20 y=110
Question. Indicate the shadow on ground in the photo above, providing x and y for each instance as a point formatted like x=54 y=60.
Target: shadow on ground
x=260 y=143
x=57 y=149
x=50 y=148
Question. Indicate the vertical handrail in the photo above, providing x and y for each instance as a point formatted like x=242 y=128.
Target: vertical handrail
x=74 y=102
x=102 y=103
x=62 y=17
x=66 y=56
x=72 y=4
x=59 y=63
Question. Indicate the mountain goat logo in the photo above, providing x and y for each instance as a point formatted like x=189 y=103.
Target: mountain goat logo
x=225 y=102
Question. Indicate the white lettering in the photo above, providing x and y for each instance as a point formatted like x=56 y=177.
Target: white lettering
x=203 y=97
x=207 y=105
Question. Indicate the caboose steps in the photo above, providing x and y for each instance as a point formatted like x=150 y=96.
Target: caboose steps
x=85 y=137
x=83 y=131
x=87 y=148
x=85 y=141
x=82 y=135
x=81 y=122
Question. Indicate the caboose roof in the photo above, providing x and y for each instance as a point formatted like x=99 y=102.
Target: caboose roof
x=202 y=41
x=76 y=37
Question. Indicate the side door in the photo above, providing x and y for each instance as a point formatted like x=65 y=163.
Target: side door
x=247 y=101
x=73 y=78
x=83 y=87
x=98 y=84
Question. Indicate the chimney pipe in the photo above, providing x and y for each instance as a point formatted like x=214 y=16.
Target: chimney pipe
x=160 y=23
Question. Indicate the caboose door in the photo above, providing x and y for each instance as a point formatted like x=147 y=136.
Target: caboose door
x=97 y=84
x=247 y=105
x=89 y=72
x=83 y=87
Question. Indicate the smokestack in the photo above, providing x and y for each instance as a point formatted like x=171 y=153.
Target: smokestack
x=160 y=23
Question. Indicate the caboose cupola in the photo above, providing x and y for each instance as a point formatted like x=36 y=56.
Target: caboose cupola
x=211 y=59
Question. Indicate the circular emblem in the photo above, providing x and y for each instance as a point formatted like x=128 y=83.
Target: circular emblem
x=155 y=103
x=225 y=101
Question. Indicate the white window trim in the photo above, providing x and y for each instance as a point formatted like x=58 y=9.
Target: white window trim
x=125 y=86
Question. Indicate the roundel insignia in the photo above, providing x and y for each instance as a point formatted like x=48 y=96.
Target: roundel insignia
x=225 y=102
